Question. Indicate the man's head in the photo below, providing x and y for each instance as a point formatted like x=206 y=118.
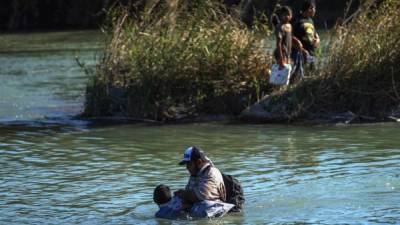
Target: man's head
x=308 y=8
x=194 y=159
x=162 y=194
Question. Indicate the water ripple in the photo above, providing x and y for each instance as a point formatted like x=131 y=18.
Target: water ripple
x=107 y=174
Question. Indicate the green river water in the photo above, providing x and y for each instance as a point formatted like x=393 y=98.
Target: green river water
x=59 y=170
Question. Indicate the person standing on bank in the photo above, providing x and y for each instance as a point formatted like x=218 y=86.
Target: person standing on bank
x=304 y=30
x=205 y=182
x=285 y=40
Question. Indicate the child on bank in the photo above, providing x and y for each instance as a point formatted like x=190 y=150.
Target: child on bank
x=171 y=207
x=304 y=28
x=285 y=39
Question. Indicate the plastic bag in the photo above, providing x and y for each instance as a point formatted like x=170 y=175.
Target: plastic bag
x=280 y=77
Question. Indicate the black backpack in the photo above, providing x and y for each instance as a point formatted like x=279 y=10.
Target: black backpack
x=234 y=192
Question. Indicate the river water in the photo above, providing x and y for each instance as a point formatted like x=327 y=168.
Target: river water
x=59 y=170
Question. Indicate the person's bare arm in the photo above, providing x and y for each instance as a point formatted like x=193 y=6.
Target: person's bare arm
x=279 y=47
x=297 y=43
x=316 y=40
x=187 y=196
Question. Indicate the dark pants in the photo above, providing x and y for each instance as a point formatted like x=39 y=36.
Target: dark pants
x=298 y=67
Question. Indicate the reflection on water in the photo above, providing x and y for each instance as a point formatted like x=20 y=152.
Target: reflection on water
x=84 y=174
x=57 y=170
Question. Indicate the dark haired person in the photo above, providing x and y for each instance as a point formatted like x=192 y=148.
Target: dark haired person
x=203 y=196
x=304 y=30
x=284 y=42
x=169 y=207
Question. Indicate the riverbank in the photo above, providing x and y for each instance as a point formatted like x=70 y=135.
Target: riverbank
x=358 y=80
x=263 y=112
x=188 y=60
x=165 y=70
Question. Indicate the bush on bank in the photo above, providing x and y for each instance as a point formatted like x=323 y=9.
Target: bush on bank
x=184 y=59
x=360 y=72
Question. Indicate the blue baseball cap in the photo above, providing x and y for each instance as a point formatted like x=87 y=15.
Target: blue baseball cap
x=191 y=154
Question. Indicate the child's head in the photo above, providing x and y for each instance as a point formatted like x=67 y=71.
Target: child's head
x=308 y=8
x=283 y=14
x=162 y=194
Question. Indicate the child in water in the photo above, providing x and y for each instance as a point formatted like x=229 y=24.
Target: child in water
x=284 y=37
x=171 y=207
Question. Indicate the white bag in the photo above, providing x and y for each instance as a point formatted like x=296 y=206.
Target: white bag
x=280 y=77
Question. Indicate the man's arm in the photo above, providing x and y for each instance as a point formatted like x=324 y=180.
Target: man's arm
x=187 y=196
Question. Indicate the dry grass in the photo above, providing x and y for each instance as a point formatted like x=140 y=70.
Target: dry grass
x=361 y=70
x=183 y=58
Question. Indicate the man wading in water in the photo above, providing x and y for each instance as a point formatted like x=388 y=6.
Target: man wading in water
x=205 y=182
x=203 y=196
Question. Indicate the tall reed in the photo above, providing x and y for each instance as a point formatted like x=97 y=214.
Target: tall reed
x=360 y=72
x=185 y=57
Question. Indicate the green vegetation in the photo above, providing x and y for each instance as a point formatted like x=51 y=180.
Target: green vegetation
x=186 y=59
x=183 y=59
x=361 y=71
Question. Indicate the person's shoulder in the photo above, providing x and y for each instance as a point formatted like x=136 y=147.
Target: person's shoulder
x=310 y=20
x=287 y=28
x=214 y=171
x=170 y=210
x=175 y=202
x=306 y=20
x=279 y=27
x=279 y=30
x=213 y=168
